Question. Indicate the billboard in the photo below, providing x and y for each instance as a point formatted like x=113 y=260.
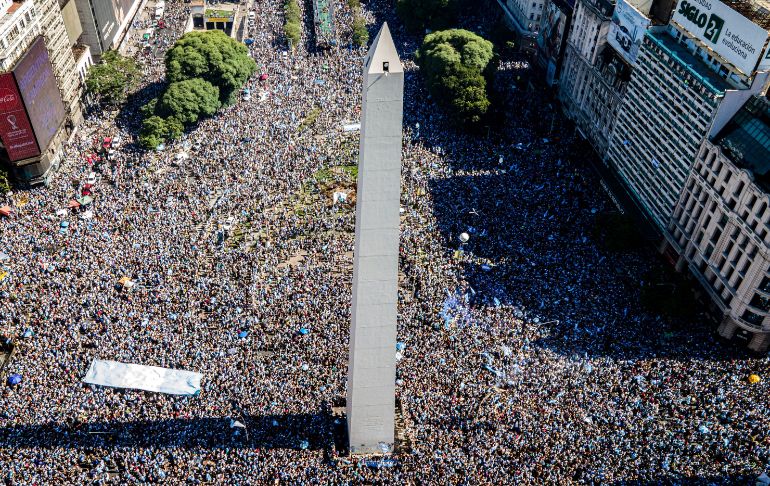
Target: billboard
x=37 y=85
x=15 y=128
x=735 y=38
x=627 y=30
x=551 y=34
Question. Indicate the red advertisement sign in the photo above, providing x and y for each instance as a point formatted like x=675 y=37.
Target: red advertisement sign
x=15 y=128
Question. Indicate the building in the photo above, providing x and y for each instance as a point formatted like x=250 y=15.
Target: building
x=685 y=87
x=600 y=55
x=213 y=17
x=523 y=17
x=62 y=55
x=41 y=85
x=720 y=227
x=19 y=25
x=552 y=38
x=105 y=22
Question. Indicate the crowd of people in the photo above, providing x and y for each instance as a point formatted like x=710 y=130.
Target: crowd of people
x=525 y=355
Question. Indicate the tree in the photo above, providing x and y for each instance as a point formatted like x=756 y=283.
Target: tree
x=157 y=130
x=189 y=100
x=419 y=15
x=111 y=80
x=213 y=56
x=360 y=32
x=292 y=28
x=5 y=184
x=454 y=64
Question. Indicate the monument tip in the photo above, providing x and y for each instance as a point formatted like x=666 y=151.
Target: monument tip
x=383 y=56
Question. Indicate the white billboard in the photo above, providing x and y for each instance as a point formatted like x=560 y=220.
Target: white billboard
x=735 y=38
x=627 y=30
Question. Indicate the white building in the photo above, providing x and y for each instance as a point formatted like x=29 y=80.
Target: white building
x=523 y=16
x=19 y=26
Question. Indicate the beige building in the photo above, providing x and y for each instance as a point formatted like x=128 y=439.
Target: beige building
x=19 y=25
x=105 y=22
x=593 y=77
x=62 y=55
x=720 y=228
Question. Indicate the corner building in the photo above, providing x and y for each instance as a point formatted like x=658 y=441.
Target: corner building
x=720 y=227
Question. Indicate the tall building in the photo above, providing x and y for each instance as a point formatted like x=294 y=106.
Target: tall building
x=40 y=84
x=552 y=37
x=105 y=22
x=523 y=16
x=720 y=227
x=690 y=79
x=600 y=55
x=62 y=56
x=19 y=25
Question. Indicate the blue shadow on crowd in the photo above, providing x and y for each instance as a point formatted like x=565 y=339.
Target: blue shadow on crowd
x=301 y=431
x=530 y=247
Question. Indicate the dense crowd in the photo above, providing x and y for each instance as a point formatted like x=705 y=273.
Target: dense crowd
x=525 y=358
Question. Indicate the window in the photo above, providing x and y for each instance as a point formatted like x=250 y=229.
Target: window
x=752 y=318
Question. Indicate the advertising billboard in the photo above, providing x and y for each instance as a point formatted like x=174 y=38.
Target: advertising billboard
x=15 y=128
x=549 y=38
x=735 y=38
x=37 y=85
x=627 y=30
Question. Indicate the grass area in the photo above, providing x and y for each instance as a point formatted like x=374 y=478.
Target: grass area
x=351 y=170
x=211 y=12
x=310 y=118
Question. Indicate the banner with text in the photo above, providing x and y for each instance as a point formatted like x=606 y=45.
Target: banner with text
x=735 y=38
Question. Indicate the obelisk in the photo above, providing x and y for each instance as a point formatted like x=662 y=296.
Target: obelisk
x=371 y=399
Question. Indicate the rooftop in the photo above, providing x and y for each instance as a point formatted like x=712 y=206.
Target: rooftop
x=746 y=139
x=693 y=64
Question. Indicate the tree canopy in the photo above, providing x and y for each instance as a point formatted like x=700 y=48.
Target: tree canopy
x=454 y=63
x=156 y=130
x=189 y=100
x=419 y=15
x=214 y=56
x=111 y=79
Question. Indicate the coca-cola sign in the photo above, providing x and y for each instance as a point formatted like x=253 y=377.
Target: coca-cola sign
x=8 y=100
x=15 y=128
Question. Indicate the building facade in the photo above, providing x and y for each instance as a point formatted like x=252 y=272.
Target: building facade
x=523 y=17
x=105 y=22
x=678 y=95
x=42 y=73
x=720 y=227
x=62 y=55
x=19 y=25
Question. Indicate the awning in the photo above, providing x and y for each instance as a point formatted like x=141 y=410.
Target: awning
x=149 y=378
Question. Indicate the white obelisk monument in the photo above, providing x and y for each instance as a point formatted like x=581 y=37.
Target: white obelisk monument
x=371 y=394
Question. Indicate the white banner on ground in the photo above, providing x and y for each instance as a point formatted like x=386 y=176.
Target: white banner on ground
x=149 y=378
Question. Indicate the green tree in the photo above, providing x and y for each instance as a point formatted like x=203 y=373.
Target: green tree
x=419 y=15
x=111 y=80
x=157 y=130
x=292 y=27
x=5 y=184
x=454 y=63
x=189 y=100
x=360 y=32
x=214 y=56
